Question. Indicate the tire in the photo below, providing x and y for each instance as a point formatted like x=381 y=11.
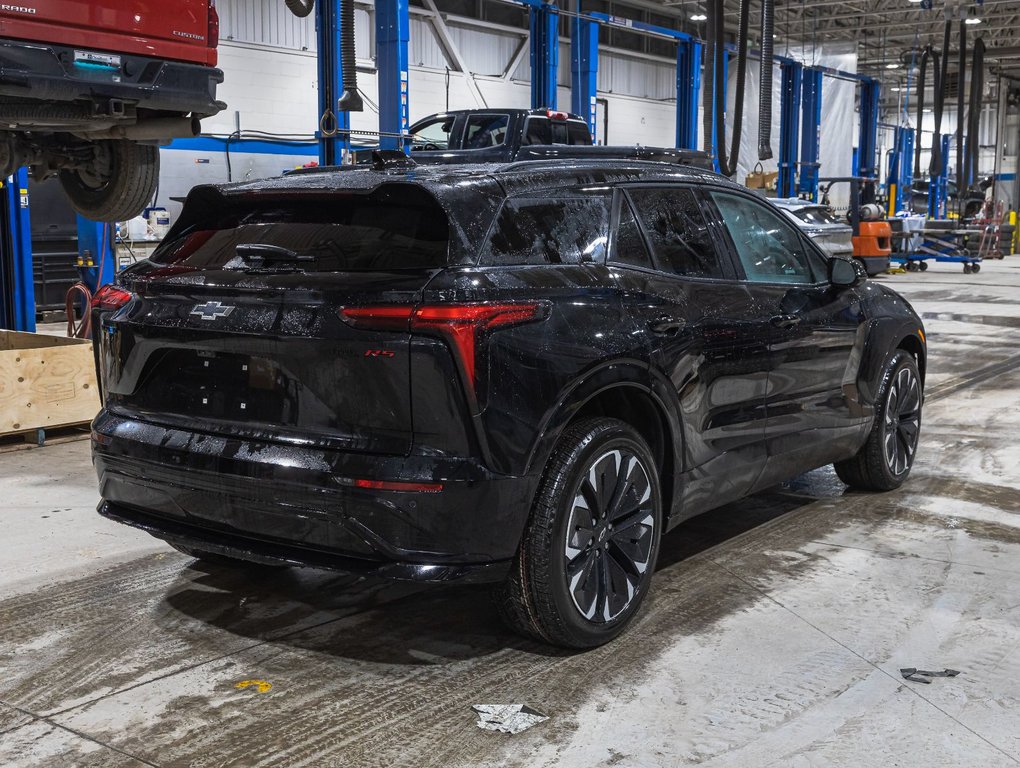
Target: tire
x=885 y=460
x=121 y=185
x=610 y=559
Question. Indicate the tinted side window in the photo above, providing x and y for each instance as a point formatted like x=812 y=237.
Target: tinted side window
x=434 y=134
x=629 y=247
x=485 y=131
x=677 y=232
x=538 y=130
x=769 y=248
x=565 y=230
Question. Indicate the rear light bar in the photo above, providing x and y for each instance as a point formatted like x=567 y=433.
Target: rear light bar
x=397 y=485
x=110 y=297
x=213 y=37
x=462 y=325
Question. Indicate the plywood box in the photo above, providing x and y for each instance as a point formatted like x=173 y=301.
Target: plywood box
x=45 y=381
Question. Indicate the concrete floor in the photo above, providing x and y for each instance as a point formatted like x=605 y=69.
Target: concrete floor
x=774 y=634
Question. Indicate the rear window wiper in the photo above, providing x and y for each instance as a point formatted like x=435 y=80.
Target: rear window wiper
x=264 y=252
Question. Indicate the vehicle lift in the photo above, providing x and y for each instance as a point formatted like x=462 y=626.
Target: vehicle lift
x=17 y=290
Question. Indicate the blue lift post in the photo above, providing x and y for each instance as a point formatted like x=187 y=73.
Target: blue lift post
x=96 y=263
x=17 y=300
x=789 y=126
x=332 y=129
x=545 y=54
x=810 y=125
x=901 y=171
x=584 y=70
x=392 y=25
x=867 y=156
x=938 y=186
x=688 y=87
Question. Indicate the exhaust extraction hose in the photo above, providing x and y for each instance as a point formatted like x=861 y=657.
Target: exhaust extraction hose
x=926 y=54
x=765 y=82
x=961 y=81
x=941 y=83
x=727 y=167
x=708 y=90
x=350 y=100
x=300 y=8
x=977 y=85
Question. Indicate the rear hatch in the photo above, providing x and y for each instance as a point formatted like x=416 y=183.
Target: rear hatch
x=236 y=327
x=178 y=29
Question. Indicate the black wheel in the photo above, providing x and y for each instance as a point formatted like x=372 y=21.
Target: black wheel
x=884 y=462
x=975 y=267
x=923 y=266
x=586 y=558
x=117 y=185
x=967 y=269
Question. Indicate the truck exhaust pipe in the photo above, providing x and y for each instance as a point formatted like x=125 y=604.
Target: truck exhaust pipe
x=157 y=129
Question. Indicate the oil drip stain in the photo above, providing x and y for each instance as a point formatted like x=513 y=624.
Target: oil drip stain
x=262 y=686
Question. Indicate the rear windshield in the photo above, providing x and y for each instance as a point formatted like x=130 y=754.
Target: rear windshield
x=815 y=216
x=342 y=233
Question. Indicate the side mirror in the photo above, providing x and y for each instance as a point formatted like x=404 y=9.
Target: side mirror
x=845 y=273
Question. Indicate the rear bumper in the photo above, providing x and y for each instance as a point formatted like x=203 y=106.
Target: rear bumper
x=295 y=504
x=50 y=73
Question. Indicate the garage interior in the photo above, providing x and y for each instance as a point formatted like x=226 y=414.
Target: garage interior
x=808 y=624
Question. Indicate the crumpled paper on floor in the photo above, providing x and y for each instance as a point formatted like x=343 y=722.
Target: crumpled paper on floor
x=508 y=718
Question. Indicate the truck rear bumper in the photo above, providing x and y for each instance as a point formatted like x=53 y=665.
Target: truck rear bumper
x=101 y=84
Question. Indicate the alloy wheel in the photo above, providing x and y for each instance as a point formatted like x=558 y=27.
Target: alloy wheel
x=609 y=535
x=902 y=421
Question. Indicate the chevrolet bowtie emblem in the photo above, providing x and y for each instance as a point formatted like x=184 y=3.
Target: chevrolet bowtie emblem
x=211 y=310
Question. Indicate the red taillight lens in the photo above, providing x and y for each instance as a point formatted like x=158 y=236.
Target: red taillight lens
x=110 y=297
x=552 y=114
x=461 y=324
x=395 y=485
x=213 y=37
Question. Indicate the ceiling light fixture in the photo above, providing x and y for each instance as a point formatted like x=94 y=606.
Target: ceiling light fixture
x=892 y=65
x=972 y=20
x=699 y=17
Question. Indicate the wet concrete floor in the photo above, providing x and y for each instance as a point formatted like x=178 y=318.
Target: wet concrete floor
x=774 y=635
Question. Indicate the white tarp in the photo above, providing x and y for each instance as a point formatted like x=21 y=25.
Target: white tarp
x=838 y=128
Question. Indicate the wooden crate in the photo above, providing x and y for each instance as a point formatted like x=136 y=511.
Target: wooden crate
x=45 y=381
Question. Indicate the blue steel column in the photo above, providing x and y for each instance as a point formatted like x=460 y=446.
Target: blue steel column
x=810 y=124
x=901 y=171
x=332 y=144
x=22 y=286
x=789 y=126
x=688 y=89
x=584 y=70
x=95 y=253
x=868 y=142
x=392 y=23
x=545 y=55
x=938 y=186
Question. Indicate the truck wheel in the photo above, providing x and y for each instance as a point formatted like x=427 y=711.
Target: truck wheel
x=118 y=185
x=886 y=458
x=585 y=561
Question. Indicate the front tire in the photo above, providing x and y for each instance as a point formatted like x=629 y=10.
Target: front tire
x=885 y=460
x=118 y=185
x=586 y=558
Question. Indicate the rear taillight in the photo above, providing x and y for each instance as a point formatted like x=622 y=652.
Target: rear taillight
x=110 y=297
x=462 y=325
x=213 y=37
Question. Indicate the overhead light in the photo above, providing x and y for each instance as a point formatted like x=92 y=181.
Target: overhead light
x=972 y=20
x=927 y=109
x=699 y=17
x=915 y=2
x=897 y=89
x=892 y=65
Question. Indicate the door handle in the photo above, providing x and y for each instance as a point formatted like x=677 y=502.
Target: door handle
x=667 y=326
x=785 y=321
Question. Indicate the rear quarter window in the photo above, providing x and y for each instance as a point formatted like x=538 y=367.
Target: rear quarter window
x=549 y=230
x=386 y=230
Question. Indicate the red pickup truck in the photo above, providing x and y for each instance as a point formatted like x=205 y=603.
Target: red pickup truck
x=90 y=90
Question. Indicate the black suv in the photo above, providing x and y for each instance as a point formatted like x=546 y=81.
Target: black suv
x=522 y=374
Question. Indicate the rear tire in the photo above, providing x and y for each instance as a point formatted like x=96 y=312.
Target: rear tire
x=585 y=561
x=122 y=183
x=885 y=460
